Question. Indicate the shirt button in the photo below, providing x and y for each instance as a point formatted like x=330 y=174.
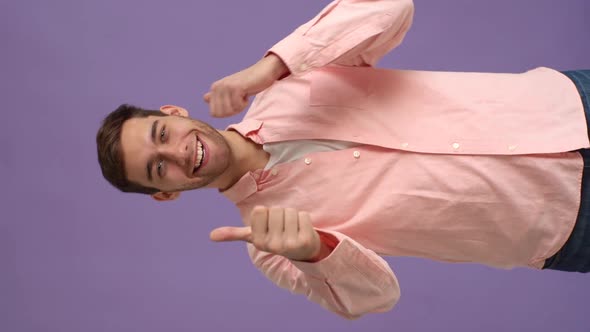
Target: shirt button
x=405 y=145
x=274 y=171
x=512 y=147
x=456 y=146
x=356 y=154
x=307 y=161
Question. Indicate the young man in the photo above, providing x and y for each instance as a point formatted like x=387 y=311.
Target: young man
x=337 y=162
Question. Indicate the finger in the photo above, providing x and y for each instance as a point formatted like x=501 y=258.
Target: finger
x=237 y=102
x=220 y=104
x=291 y=223
x=211 y=102
x=244 y=102
x=276 y=223
x=259 y=223
x=304 y=221
x=224 y=234
x=207 y=97
x=215 y=105
x=291 y=234
x=227 y=107
x=308 y=236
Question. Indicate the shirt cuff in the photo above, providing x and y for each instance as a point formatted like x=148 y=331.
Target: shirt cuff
x=346 y=258
x=296 y=53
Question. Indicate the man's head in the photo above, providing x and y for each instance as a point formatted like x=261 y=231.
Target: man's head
x=159 y=152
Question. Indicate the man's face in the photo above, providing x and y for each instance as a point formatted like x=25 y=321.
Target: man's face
x=173 y=153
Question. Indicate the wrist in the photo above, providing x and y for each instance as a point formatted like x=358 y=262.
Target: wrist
x=322 y=253
x=327 y=244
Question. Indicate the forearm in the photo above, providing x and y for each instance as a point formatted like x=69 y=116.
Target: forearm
x=274 y=66
x=351 y=281
x=346 y=32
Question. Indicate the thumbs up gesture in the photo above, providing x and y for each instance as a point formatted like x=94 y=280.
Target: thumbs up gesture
x=229 y=95
x=284 y=232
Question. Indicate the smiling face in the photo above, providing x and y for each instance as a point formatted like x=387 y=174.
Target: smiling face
x=173 y=153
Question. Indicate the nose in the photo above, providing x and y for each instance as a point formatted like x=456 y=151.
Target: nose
x=179 y=153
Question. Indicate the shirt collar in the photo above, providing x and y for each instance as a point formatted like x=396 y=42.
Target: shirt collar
x=242 y=189
x=248 y=128
x=246 y=185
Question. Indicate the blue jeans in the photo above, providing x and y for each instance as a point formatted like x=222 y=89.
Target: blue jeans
x=574 y=256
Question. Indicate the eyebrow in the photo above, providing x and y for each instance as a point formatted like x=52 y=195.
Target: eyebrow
x=151 y=162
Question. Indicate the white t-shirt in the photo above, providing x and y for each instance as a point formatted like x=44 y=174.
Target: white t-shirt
x=282 y=152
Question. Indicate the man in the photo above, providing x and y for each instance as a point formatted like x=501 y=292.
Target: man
x=337 y=162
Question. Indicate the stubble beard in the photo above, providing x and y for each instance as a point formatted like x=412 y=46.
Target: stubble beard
x=222 y=149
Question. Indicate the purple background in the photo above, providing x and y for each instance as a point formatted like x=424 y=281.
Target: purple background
x=77 y=256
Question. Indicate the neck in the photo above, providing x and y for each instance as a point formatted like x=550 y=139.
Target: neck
x=245 y=156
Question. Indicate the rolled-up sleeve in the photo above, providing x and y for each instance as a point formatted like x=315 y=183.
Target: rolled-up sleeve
x=350 y=282
x=346 y=32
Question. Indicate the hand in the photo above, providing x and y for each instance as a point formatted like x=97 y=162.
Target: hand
x=229 y=95
x=284 y=232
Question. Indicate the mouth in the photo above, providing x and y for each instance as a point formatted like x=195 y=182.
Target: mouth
x=200 y=155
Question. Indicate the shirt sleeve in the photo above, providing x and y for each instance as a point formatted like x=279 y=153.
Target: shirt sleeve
x=350 y=282
x=346 y=32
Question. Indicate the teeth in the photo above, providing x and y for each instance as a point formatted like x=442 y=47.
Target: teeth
x=200 y=154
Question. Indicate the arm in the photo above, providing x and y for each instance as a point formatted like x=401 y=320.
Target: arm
x=346 y=32
x=327 y=267
x=350 y=282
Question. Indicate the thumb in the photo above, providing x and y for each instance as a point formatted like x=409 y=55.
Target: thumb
x=224 y=234
x=207 y=97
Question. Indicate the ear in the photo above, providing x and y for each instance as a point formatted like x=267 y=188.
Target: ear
x=174 y=110
x=165 y=196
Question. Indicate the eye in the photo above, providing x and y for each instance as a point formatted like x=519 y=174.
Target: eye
x=163 y=134
x=160 y=167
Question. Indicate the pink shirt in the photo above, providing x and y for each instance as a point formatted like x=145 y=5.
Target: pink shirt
x=455 y=167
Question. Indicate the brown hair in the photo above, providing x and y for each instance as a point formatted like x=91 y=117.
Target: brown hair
x=108 y=145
